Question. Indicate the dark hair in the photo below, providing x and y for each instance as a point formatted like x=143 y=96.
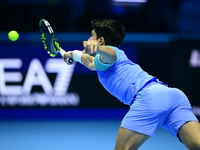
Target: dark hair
x=112 y=31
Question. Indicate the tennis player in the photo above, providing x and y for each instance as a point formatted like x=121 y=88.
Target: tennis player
x=152 y=103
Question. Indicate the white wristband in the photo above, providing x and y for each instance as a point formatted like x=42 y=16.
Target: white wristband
x=77 y=55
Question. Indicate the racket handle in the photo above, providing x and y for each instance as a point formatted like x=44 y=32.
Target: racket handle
x=62 y=52
x=70 y=60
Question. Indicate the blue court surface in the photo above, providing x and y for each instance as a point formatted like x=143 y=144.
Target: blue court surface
x=83 y=134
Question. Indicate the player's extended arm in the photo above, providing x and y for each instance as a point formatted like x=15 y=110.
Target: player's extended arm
x=88 y=61
x=85 y=59
x=107 y=54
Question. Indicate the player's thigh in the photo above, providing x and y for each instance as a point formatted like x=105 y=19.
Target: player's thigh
x=129 y=140
x=189 y=134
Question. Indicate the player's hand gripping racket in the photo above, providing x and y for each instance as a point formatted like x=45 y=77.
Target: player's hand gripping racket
x=49 y=40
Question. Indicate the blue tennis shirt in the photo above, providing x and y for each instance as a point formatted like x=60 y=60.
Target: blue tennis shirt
x=123 y=79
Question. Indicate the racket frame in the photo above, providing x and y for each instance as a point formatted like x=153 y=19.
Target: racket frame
x=45 y=23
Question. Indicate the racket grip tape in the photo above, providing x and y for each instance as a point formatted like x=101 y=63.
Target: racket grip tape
x=62 y=52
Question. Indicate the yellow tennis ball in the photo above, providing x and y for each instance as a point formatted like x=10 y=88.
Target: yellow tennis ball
x=13 y=35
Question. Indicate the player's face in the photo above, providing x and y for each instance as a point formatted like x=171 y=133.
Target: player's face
x=93 y=35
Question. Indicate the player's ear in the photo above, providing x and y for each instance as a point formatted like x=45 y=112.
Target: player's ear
x=101 y=41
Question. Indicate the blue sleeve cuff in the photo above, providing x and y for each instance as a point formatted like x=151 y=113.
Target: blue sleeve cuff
x=99 y=65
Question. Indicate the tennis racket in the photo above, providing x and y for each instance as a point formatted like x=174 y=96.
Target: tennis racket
x=49 y=40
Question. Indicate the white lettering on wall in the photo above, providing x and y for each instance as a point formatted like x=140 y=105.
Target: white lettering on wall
x=194 y=61
x=10 y=76
x=64 y=75
x=37 y=76
x=53 y=95
x=196 y=110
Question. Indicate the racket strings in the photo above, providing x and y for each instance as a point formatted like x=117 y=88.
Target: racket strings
x=48 y=38
x=45 y=45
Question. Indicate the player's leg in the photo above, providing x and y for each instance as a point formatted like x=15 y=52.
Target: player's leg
x=129 y=140
x=182 y=122
x=147 y=114
x=189 y=134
